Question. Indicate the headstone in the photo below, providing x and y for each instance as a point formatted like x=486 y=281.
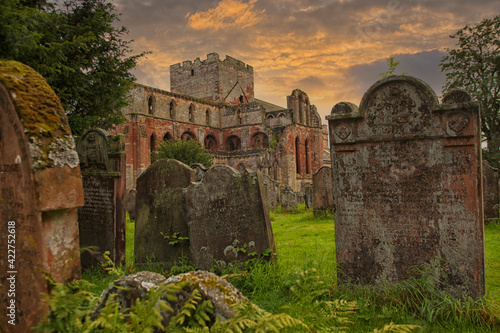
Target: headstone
x=323 y=190
x=40 y=190
x=102 y=219
x=408 y=187
x=228 y=217
x=130 y=204
x=272 y=190
x=200 y=171
x=490 y=192
x=306 y=192
x=288 y=198
x=161 y=231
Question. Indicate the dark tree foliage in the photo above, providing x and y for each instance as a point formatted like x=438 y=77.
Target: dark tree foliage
x=77 y=47
x=475 y=67
x=188 y=152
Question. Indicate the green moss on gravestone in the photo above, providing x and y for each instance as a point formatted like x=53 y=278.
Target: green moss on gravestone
x=40 y=111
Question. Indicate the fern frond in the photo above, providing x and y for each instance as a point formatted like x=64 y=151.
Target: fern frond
x=396 y=328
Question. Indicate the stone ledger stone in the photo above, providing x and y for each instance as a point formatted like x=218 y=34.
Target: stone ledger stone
x=102 y=220
x=40 y=190
x=408 y=189
x=161 y=229
x=226 y=213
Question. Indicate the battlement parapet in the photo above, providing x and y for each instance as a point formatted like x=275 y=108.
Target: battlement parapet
x=211 y=57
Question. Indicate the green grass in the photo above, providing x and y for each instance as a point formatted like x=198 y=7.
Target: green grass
x=305 y=243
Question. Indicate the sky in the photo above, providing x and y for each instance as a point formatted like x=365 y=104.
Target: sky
x=334 y=50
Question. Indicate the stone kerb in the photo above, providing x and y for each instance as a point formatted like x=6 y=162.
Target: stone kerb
x=40 y=190
x=227 y=213
x=161 y=231
x=102 y=219
x=408 y=186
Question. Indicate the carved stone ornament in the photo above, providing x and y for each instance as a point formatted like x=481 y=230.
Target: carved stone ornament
x=458 y=121
x=343 y=131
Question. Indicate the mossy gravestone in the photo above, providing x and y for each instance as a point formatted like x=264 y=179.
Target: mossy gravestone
x=102 y=218
x=323 y=191
x=40 y=190
x=408 y=190
x=228 y=218
x=161 y=232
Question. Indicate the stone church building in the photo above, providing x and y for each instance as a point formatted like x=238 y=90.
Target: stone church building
x=212 y=101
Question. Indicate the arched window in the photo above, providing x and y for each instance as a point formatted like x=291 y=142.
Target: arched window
x=191 y=113
x=297 y=155
x=186 y=136
x=151 y=104
x=241 y=99
x=270 y=116
x=233 y=143
x=260 y=141
x=207 y=117
x=308 y=161
x=152 y=142
x=210 y=142
x=192 y=72
x=167 y=137
x=241 y=167
x=172 y=109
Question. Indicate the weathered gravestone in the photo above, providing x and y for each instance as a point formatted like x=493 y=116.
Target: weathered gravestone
x=323 y=190
x=490 y=192
x=272 y=190
x=130 y=203
x=40 y=190
x=408 y=186
x=161 y=229
x=227 y=213
x=288 y=198
x=102 y=218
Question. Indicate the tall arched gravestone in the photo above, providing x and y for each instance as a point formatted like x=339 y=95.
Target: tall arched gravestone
x=323 y=190
x=102 y=218
x=227 y=212
x=40 y=190
x=161 y=231
x=408 y=190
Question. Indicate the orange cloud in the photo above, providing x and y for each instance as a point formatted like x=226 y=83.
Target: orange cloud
x=227 y=15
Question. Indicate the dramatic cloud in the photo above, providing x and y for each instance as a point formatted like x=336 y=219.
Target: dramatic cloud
x=331 y=49
x=229 y=14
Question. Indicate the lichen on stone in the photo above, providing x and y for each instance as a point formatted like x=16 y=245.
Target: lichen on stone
x=40 y=111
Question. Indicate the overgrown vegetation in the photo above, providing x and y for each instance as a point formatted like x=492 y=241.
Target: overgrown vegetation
x=297 y=294
x=188 y=152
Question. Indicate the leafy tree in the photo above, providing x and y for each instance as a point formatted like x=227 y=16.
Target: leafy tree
x=392 y=68
x=79 y=50
x=188 y=152
x=475 y=67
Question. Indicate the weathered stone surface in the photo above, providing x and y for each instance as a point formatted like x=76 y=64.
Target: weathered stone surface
x=323 y=190
x=40 y=188
x=213 y=288
x=160 y=212
x=288 y=198
x=102 y=220
x=491 y=195
x=272 y=190
x=200 y=171
x=306 y=194
x=227 y=212
x=130 y=199
x=408 y=187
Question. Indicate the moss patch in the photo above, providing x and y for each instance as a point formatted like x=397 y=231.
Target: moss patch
x=41 y=113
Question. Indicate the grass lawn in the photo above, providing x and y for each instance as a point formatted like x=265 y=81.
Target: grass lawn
x=305 y=243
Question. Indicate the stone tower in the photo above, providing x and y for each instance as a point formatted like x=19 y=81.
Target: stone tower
x=229 y=81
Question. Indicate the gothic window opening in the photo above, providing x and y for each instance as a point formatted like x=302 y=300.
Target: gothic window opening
x=191 y=113
x=233 y=143
x=151 y=105
x=152 y=142
x=172 y=110
x=207 y=117
x=238 y=117
x=192 y=72
x=241 y=99
x=210 y=143
x=186 y=136
x=297 y=155
x=308 y=168
x=260 y=141
x=167 y=137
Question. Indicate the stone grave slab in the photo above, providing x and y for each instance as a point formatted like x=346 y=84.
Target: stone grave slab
x=161 y=229
x=102 y=220
x=40 y=190
x=323 y=190
x=408 y=186
x=226 y=213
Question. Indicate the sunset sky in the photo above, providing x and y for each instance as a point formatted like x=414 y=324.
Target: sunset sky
x=331 y=49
